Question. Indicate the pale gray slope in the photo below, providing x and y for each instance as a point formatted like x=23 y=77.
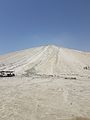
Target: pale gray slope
x=52 y=96
x=50 y=60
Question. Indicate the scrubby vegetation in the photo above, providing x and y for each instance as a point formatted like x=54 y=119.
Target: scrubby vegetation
x=70 y=78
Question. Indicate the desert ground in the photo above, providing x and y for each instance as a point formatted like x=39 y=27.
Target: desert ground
x=44 y=98
x=50 y=83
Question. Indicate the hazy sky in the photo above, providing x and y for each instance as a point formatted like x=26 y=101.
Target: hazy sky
x=29 y=23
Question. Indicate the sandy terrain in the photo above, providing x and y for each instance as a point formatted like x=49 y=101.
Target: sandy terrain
x=51 y=83
x=44 y=98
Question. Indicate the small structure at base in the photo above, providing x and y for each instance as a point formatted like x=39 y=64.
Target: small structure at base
x=7 y=73
x=86 y=67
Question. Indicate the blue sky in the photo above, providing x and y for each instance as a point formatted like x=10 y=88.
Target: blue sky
x=31 y=23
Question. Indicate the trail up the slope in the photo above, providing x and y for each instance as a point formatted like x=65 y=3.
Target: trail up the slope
x=49 y=60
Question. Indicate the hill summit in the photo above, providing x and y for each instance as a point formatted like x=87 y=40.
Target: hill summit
x=49 y=60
